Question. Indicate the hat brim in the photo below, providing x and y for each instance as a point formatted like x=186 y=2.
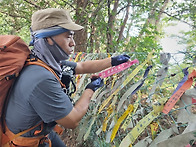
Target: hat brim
x=71 y=26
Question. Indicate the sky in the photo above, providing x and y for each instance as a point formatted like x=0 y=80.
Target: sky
x=171 y=44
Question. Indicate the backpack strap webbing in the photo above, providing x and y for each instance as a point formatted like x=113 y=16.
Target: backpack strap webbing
x=41 y=63
x=57 y=129
x=5 y=141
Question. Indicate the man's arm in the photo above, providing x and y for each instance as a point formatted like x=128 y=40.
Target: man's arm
x=99 y=65
x=92 y=66
x=79 y=110
x=72 y=120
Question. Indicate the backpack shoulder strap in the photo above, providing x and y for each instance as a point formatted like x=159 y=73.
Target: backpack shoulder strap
x=41 y=63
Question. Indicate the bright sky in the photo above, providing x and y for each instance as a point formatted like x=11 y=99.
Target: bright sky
x=170 y=44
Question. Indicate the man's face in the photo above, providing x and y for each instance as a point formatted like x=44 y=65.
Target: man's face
x=65 y=41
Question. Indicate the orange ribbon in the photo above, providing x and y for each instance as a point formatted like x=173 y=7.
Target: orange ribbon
x=176 y=96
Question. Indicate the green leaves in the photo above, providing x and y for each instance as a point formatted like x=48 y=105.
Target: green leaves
x=144 y=20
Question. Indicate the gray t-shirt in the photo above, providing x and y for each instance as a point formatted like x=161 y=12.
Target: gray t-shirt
x=36 y=96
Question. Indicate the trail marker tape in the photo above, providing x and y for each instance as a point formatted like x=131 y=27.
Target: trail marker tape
x=116 y=69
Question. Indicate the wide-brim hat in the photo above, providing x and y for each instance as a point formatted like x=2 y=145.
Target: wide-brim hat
x=50 y=17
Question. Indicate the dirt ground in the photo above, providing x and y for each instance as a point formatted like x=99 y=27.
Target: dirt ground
x=69 y=138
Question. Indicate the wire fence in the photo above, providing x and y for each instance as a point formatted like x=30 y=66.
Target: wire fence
x=128 y=110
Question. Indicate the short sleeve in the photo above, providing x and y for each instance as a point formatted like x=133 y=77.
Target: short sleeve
x=49 y=100
x=68 y=67
x=70 y=64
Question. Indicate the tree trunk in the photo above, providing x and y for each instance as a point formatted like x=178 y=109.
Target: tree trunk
x=94 y=45
x=110 y=27
x=81 y=36
x=124 y=23
x=161 y=12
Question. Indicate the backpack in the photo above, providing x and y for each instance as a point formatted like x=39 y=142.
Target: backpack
x=14 y=54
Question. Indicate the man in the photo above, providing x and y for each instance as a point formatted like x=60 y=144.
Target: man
x=37 y=95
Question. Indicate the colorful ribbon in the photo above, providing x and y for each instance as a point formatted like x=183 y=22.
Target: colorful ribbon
x=142 y=124
x=134 y=88
x=117 y=69
x=128 y=79
x=186 y=73
x=176 y=96
x=129 y=117
x=117 y=125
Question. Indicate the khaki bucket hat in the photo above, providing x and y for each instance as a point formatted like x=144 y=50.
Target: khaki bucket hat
x=50 y=17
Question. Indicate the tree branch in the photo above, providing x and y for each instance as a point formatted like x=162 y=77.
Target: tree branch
x=70 y=5
x=12 y=15
x=177 y=18
x=33 y=4
x=161 y=12
x=123 y=25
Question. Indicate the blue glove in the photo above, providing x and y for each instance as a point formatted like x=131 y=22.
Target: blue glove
x=95 y=84
x=119 y=59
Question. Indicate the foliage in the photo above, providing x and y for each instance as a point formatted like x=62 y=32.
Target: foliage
x=98 y=137
x=109 y=25
x=115 y=26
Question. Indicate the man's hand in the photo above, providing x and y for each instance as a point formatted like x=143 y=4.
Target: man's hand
x=119 y=59
x=96 y=82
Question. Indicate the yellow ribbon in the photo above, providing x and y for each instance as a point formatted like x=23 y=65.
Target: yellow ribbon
x=154 y=127
x=114 y=80
x=77 y=57
x=135 y=106
x=128 y=79
x=77 y=76
x=109 y=111
x=105 y=102
x=142 y=124
x=117 y=125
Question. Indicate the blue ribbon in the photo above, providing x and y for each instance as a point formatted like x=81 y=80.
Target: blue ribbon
x=185 y=78
x=144 y=78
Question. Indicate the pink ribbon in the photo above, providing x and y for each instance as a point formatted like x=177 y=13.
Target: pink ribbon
x=116 y=69
x=194 y=101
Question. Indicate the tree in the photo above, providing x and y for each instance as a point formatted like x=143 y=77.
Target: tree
x=109 y=25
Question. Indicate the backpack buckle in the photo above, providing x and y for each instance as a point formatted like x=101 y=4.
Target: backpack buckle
x=9 y=77
x=32 y=58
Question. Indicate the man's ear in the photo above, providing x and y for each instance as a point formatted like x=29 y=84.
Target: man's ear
x=49 y=40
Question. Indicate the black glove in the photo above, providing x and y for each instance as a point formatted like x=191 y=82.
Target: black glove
x=95 y=84
x=119 y=59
